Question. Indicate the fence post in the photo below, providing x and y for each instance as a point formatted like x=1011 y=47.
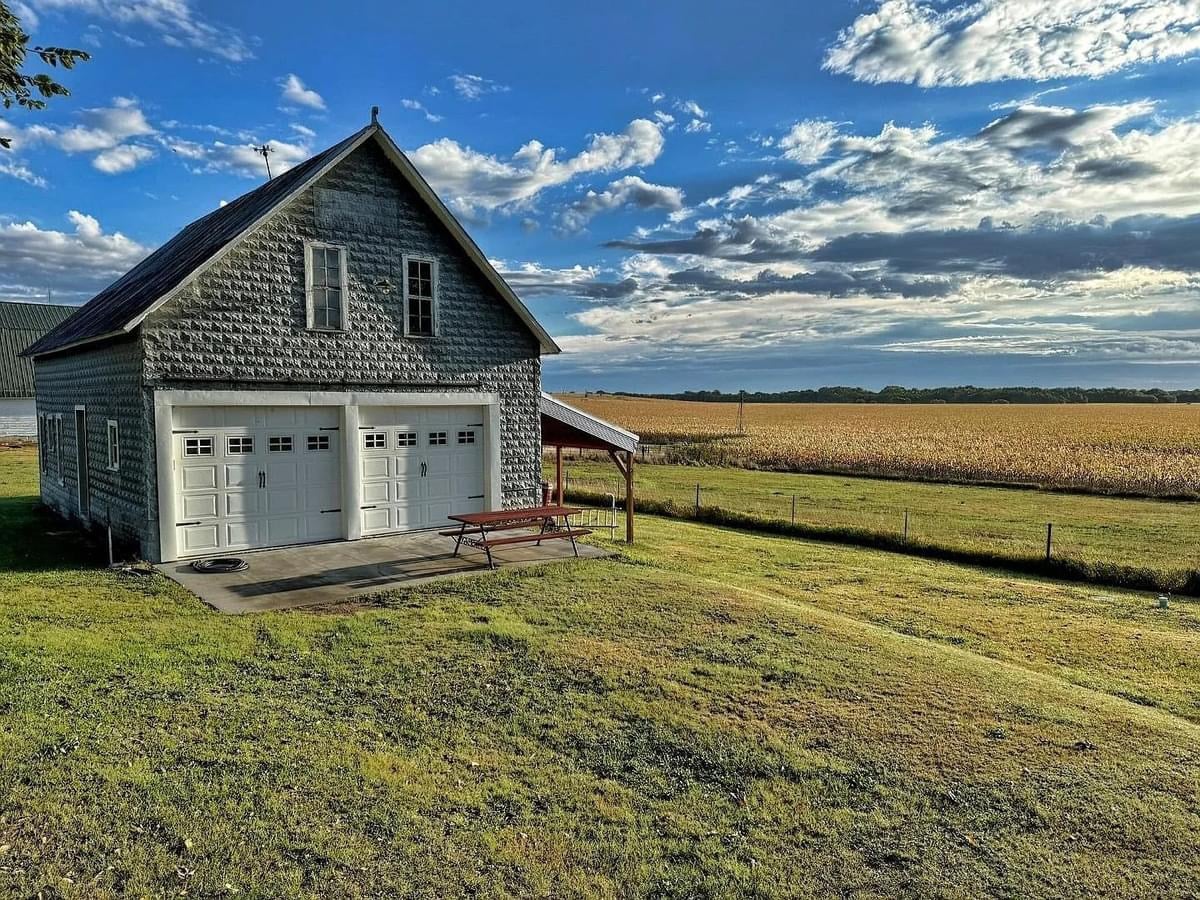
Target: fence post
x=1049 y=539
x=793 y=509
x=906 y=526
x=697 y=498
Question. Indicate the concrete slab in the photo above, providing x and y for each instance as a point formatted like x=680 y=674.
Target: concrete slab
x=318 y=574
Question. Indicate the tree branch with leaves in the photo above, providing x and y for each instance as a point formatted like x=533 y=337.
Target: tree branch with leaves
x=19 y=88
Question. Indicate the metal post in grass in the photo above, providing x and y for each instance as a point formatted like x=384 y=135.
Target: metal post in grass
x=697 y=499
x=906 y=526
x=1049 y=539
x=793 y=509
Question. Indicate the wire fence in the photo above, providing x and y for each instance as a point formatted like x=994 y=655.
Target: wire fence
x=1142 y=550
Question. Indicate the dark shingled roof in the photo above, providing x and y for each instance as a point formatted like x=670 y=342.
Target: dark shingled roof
x=168 y=266
x=20 y=325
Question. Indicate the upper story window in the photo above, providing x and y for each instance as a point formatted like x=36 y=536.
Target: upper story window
x=420 y=297
x=325 y=276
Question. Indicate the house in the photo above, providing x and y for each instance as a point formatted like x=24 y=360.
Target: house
x=329 y=356
x=20 y=325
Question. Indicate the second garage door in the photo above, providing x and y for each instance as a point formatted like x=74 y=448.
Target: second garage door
x=419 y=465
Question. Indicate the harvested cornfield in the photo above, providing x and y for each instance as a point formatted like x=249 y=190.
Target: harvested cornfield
x=1136 y=449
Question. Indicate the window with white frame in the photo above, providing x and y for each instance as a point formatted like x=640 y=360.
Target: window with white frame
x=420 y=297
x=235 y=446
x=279 y=443
x=198 y=446
x=317 y=442
x=325 y=267
x=466 y=437
x=437 y=438
x=375 y=440
x=406 y=439
x=58 y=446
x=114 y=445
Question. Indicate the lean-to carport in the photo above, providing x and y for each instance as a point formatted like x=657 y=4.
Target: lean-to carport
x=565 y=426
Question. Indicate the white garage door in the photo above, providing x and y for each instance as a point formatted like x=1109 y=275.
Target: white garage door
x=256 y=476
x=419 y=465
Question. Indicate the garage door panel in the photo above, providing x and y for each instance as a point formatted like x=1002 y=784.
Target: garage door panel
x=200 y=538
x=375 y=466
x=241 y=504
x=432 y=474
x=199 y=477
x=298 y=483
x=239 y=475
x=200 y=506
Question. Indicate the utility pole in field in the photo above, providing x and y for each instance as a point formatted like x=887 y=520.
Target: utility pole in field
x=741 y=423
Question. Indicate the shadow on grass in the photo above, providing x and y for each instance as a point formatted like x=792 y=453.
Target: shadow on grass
x=1113 y=574
x=35 y=539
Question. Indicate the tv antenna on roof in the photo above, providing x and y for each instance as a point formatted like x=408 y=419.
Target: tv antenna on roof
x=263 y=151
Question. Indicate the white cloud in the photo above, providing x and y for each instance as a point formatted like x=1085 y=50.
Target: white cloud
x=294 y=93
x=474 y=87
x=418 y=106
x=122 y=159
x=808 y=141
x=628 y=191
x=174 y=20
x=104 y=131
x=994 y=40
x=18 y=170
x=664 y=118
x=73 y=265
x=471 y=180
x=698 y=125
x=240 y=158
x=692 y=108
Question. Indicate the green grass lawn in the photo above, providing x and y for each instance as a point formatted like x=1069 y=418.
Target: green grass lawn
x=712 y=713
x=1153 y=534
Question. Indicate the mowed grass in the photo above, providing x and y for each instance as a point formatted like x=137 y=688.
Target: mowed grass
x=712 y=713
x=1159 y=535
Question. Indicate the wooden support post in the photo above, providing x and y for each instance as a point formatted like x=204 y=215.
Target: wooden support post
x=629 y=498
x=1049 y=539
x=793 y=509
x=558 y=475
x=906 y=526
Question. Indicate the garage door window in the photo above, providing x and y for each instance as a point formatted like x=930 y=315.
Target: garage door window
x=318 y=442
x=466 y=437
x=406 y=439
x=239 y=445
x=198 y=446
x=280 y=444
x=437 y=438
x=374 y=440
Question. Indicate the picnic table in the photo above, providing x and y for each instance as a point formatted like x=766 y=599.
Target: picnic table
x=476 y=529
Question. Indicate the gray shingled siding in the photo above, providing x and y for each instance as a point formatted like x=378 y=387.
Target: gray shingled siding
x=243 y=324
x=107 y=380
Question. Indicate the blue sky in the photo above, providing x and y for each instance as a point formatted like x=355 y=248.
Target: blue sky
x=796 y=195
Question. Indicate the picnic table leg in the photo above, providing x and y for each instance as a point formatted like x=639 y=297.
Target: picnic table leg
x=458 y=542
x=486 y=548
x=545 y=522
x=571 y=534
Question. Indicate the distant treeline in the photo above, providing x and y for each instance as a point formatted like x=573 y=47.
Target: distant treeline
x=967 y=394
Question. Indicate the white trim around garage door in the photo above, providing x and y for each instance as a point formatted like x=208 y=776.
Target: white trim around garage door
x=350 y=403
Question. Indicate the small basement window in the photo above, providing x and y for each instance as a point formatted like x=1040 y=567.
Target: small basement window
x=375 y=440
x=318 y=442
x=325 y=277
x=114 y=445
x=201 y=446
x=420 y=297
x=436 y=438
x=235 y=446
x=406 y=439
x=279 y=444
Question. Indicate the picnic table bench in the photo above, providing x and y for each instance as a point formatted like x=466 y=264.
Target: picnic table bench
x=476 y=529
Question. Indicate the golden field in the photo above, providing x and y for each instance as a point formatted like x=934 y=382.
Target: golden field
x=1144 y=449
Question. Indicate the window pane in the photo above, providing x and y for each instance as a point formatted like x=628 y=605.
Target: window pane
x=333 y=259
x=333 y=319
